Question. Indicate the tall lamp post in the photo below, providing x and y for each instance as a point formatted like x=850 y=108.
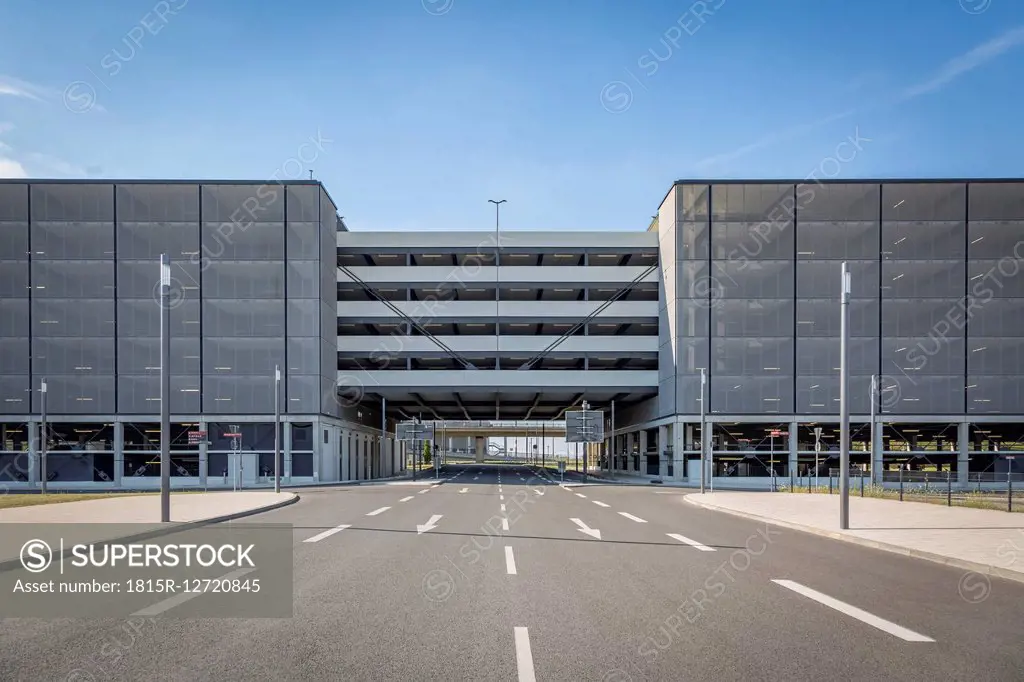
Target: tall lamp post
x=844 y=402
x=497 y=291
x=703 y=432
x=277 y=428
x=165 y=388
x=42 y=431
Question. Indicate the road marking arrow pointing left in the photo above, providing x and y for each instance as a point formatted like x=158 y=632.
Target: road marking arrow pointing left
x=429 y=525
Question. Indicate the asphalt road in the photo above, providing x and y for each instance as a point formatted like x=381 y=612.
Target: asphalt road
x=592 y=582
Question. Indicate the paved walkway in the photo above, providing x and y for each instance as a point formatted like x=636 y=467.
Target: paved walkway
x=185 y=508
x=975 y=539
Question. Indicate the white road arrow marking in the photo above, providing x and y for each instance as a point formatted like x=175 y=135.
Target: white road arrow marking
x=464 y=490
x=539 y=492
x=429 y=525
x=583 y=528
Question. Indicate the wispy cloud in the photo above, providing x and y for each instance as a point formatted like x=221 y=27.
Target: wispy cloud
x=15 y=87
x=9 y=168
x=769 y=140
x=44 y=165
x=970 y=60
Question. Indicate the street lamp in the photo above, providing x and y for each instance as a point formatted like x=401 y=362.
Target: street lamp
x=165 y=388
x=42 y=429
x=817 y=450
x=844 y=402
x=277 y=428
x=703 y=432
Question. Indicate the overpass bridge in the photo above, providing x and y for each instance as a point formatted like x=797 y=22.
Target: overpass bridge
x=491 y=428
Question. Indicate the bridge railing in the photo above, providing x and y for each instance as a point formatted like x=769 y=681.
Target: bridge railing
x=495 y=424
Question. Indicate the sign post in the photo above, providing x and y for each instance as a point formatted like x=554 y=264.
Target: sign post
x=236 y=454
x=414 y=431
x=817 y=451
x=561 y=470
x=584 y=426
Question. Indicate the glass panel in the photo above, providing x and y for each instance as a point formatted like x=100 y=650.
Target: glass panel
x=751 y=357
x=821 y=317
x=142 y=356
x=253 y=241
x=15 y=394
x=90 y=202
x=246 y=279
x=78 y=394
x=762 y=317
x=14 y=356
x=694 y=241
x=695 y=203
x=13 y=202
x=303 y=203
x=692 y=280
x=304 y=318
x=837 y=240
x=995 y=394
x=996 y=200
x=254 y=436
x=751 y=395
x=302 y=465
x=753 y=279
x=148 y=241
x=141 y=394
x=931 y=355
x=920 y=240
x=141 y=318
x=150 y=202
x=823 y=278
x=243 y=204
x=72 y=279
x=820 y=394
x=303 y=279
x=13 y=239
x=917 y=317
x=820 y=356
x=303 y=394
x=304 y=355
x=73 y=356
x=921 y=394
x=243 y=318
x=740 y=241
x=992 y=355
x=302 y=436
x=924 y=201
x=920 y=279
x=73 y=318
x=141 y=279
x=998 y=279
x=14 y=279
x=72 y=240
x=238 y=394
x=66 y=467
x=989 y=317
x=246 y=356
x=14 y=320
x=854 y=201
x=752 y=203
x=303 y=241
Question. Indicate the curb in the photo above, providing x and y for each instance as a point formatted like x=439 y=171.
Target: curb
x=171 y=527
x=977 y=567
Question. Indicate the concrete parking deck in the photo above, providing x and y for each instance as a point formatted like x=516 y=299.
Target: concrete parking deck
x=981 y=540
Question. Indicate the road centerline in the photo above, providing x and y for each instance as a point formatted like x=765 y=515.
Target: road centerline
x=632 y=518
x=510 y=561
x=524 y=657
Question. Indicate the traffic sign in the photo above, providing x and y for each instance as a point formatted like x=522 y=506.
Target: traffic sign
x=776 y=433
x=195 y=437
x=232 y=435
x=413 y=431
x=584 y=426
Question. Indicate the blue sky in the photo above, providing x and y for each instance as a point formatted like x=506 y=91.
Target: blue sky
x=579 y=112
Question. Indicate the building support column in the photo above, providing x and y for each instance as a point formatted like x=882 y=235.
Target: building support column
x=642 y=436
x=118 y=453
x=794 y=452
x=480 y=449
x=286 y=449
x=33 y=453
x=663 y=454
x=204 y=455
x=963 y=458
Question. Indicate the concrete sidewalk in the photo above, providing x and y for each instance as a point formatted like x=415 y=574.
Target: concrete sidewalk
x=982 y=540
x=185 y=508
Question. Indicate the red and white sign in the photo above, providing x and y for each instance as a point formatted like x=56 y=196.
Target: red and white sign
x=195 y=437
x=232 y=435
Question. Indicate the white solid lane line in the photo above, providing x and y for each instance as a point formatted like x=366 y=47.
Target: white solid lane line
x=405 y=499
x=581 y=495
x=852 y=611
x=327 y=533
x=600 y=504
x=692 y=543
x=632 y=518
x=169 y=603
x=378 y=511
x=510 y=561
x=504 y=523
x=524 y=657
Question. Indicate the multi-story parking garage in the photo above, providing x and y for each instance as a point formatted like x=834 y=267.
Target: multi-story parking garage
x=738 y=279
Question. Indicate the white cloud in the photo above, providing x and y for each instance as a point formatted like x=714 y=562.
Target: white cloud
x=9 y=168
x=6 y=127
x=15 y=87
x=970 y=60
x=44 y=165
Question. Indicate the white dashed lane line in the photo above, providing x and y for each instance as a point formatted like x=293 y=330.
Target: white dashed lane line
x=524 y=657
x=510 y=561
x=631 y=517
x=581 y=495
x=406 y=499
x=692 y=543
x=327 y=533
x=378 y=511
x=600 y=504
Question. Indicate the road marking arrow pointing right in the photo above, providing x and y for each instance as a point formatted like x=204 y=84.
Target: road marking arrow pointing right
x=583 y=528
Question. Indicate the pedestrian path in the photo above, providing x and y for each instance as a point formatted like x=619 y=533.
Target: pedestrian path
x=982 y=540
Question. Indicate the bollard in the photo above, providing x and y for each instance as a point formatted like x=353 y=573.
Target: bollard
x=862 y=483
x=949 y=489
x=830 y=482
x=901 y=483
x=1009 y=491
